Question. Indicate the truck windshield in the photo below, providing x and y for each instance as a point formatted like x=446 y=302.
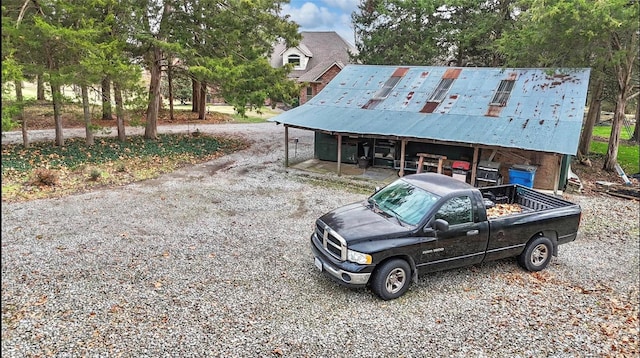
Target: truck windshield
x=404 y=201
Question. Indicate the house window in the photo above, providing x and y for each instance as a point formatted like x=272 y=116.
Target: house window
x=502 y=93
x=294 y=60
x=309 y=93
x=441 y=91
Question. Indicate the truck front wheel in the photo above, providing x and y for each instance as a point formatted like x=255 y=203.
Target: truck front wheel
x=536 y=254
x=392 y=279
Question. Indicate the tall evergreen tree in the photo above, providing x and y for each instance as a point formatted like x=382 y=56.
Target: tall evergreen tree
x=427 y=32
x=581 y=33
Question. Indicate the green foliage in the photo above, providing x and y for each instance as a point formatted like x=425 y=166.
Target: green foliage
x=9 y=111
x=392 y=32
x=461 y=32
x=95 y=174
x=76 y=152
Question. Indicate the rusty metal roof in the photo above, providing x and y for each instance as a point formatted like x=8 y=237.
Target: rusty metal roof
x=543 y=111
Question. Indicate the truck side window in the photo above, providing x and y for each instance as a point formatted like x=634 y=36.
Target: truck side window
x=456 y=211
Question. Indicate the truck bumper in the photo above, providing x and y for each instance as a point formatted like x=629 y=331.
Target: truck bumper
x=345 y=273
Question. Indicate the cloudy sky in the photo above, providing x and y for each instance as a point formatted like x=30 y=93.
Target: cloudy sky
x=323 y=15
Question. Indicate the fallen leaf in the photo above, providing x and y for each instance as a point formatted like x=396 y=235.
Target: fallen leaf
x=41 y=301
x=277 y=351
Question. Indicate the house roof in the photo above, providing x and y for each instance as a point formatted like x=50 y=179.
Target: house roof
x=324 y=48
x=543 y=112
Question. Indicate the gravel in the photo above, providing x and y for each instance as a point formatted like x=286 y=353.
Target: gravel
x=214 y=260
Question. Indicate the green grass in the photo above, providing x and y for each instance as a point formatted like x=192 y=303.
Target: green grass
x=628 y=155
x=605 y=131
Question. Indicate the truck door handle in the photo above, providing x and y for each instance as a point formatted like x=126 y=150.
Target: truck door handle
x=472 y=232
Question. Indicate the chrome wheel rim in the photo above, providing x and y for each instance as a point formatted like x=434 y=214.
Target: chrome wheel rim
x=539 y=255
x=396 y=279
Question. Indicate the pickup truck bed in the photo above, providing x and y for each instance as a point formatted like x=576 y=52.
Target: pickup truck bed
x=525 y=197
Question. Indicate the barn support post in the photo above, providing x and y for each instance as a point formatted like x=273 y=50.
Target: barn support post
x=403 y=144
x=474 y=165
x=286 y=146
x=339 y=154
x=556 y=176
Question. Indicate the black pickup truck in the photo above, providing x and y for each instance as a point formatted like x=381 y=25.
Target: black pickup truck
x=430 y=222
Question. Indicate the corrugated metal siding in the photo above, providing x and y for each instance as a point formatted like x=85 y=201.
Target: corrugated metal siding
x=544 y=113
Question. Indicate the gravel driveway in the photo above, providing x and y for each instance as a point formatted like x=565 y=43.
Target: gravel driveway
x=214 y=260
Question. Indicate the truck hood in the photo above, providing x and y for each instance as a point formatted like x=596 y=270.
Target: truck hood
x=357 y=222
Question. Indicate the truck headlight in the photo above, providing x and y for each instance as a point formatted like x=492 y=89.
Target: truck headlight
x=358 y=257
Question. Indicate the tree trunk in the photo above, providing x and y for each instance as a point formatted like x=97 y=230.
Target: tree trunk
x=57 y=118
x=592 y=116
x=87 y=115
x=117 y=93
x=624 y=70
x=20 y=117
x=170 y=84
x=202 y=109
x=611 y=159
x=40 y=88
x=636 y=136
x=106 y=99
x=151 y=129
x=195 y=90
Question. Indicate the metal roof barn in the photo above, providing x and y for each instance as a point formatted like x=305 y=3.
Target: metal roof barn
x=524 y=108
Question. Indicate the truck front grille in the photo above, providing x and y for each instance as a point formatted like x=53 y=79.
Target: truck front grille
x=331 y=241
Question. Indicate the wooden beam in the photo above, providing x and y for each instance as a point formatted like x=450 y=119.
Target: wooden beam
x=339 y=154
x=403 y=152
x=286 y=146
x=474 y=165
x=556 y=176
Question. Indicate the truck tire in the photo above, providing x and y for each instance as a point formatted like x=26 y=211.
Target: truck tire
x=537 y=254
x=392 y=279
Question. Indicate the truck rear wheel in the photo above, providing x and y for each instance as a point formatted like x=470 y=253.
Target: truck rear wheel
x=392 y=279
x=537 y=254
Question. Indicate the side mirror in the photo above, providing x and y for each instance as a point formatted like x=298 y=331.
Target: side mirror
x=438 y=225
x=441 y=225
x=377 y=189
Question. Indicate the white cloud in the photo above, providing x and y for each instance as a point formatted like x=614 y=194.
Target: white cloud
x=309 y=15
x=345 y=5
x=336 y=17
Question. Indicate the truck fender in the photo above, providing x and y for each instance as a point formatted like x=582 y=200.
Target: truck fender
x=409 y=259
x=551 y=235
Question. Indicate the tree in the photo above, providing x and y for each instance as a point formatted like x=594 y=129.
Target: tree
x=226 y=47
x=106 y=98
x=580 y=33
x=396 y=32
x=458 y=32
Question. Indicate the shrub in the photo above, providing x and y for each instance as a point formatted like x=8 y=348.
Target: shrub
x=95 y=174
x=121 y=168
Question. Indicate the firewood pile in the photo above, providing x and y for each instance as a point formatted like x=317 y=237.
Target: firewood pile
x=502 y=210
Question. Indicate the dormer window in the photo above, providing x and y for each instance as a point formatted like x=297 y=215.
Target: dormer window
x=294 y=59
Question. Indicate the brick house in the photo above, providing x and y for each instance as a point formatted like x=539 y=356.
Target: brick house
x=317 y=59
